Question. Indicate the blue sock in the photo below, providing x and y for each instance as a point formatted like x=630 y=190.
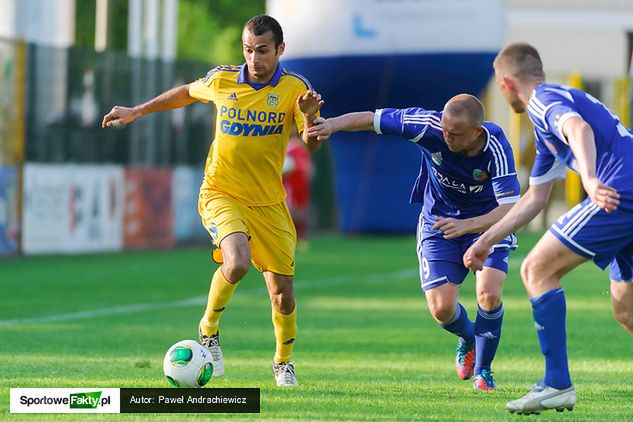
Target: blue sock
x=461 y=325
x=487 y=335
x=549 y=311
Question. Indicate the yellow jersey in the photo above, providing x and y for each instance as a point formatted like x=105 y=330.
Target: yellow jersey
x=253 y=125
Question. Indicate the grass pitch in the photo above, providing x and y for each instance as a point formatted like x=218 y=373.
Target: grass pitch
x=367 y=348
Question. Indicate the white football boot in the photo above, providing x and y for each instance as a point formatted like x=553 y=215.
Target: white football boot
x=542 y=398
x=212 y=343
x=285 y=374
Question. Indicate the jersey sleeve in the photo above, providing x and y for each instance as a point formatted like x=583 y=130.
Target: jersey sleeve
x=551 y=109
x=410 y=123
x=204 y=88
x=505 y=183
x=546 y=167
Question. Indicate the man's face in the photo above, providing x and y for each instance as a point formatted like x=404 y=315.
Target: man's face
x=261 y=55
x=508 y=89
x=459 y=135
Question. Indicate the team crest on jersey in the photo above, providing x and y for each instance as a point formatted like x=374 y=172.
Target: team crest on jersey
x=436 y=157
x=480 y=175
x=273 y=100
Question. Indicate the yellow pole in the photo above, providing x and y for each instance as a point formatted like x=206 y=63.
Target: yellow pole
x=514 y=133
x=621 y=102
x=20 y=141
x=20 y=92
x=573 y=185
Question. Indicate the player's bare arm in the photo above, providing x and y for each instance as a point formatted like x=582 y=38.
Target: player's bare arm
x=524 y=211
x=174 y=98
x=581 y=141
x=310 y=103
x=454 y=227
x=350 y=122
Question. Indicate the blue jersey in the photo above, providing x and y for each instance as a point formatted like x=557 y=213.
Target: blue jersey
x=605 y=237
x=549 y=108
x=452 y=184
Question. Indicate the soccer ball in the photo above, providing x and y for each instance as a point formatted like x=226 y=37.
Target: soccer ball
x=188 y=364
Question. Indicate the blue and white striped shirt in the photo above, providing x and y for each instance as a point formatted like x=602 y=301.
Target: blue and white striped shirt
x=549 y=108
x=452 y=184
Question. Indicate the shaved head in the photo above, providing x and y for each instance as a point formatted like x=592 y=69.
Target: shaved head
x=520 y=61
x=462 y=127
x=465 y=107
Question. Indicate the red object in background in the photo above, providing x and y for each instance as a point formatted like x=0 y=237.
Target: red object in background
x=148 y=210
x=296 y=177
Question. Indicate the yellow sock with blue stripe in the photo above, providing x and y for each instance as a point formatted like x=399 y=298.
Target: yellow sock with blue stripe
x=219 y=296
x=285 y=333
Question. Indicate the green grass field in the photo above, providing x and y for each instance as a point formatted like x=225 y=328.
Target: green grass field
x=367 y=347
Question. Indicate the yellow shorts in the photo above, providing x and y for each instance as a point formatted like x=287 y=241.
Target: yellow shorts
x=270 y=229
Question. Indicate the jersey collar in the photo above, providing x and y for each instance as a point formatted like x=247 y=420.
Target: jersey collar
x=487 y=138
x=241 y=78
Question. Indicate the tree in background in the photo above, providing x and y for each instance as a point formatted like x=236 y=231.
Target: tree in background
x=208 y=30
x=211 y=30
x=85 y=11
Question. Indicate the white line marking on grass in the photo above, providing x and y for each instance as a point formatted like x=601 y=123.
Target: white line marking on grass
x=201 y=300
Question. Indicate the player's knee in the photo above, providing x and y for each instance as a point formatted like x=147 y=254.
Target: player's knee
x=530 y=270
x=236 y=270
x=489 y=300
x=442 y=312
x=625 y=318
x=284 y=303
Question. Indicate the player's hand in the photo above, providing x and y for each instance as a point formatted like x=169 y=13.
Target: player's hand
x=602 y=195
x=476 y=255
x=451 y=227
x=310 y=103
x=118 y=116
x=322 y=129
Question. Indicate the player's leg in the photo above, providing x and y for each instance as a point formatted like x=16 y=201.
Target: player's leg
x=622 y=301
x=448 y=312
x=237 y=260
x=488 y=322
x=541 y=272
x=284 y=317
x=621 y=274
x=236 y=255
x=223 y=218
x=453 y=317
x=273 y=246
x=584 y=232
x=441 y=273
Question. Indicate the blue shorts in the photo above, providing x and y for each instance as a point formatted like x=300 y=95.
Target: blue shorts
x=441 y=259
x=604 y=237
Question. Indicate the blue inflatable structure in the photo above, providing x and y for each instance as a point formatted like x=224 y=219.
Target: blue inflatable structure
x=368 y=54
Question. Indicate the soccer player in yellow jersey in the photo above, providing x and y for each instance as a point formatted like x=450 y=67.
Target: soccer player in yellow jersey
x=242 y=199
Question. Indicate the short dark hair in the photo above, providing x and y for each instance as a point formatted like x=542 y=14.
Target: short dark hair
x=261 y=24
x=466 y=107
x=522 y=61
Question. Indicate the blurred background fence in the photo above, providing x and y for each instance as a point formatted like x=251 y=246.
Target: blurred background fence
x=67 y=185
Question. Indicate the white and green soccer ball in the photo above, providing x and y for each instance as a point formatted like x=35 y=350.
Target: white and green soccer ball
x=188 y=364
